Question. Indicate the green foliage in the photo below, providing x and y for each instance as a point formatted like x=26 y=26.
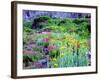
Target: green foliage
x=27 y=24
x=41 y=22
x=65 y=22
x=28 y=37
x=54 y=22
x=54 y=53
x=69 y=36
x=43 y=19
x=58 y=25
x=46 y=44
x=27 y=29
x=80 y=20
x=34 y=58
x=37 y=57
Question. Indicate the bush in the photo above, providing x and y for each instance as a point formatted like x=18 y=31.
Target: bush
x=37 y=57
x=65 y=22
x=54 y=22
x=41 y=22
x=79 y=21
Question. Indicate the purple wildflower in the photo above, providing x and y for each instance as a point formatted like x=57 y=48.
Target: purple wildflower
x=46 y=51
x=89 y=55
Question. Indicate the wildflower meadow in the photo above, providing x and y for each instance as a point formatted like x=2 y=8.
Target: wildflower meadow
x=56 y=39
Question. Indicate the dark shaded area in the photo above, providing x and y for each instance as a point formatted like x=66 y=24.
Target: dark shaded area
x=26 y=60
x=40 y=22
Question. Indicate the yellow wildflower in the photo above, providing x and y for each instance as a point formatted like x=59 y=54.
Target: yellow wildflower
x=55 y=65
x=54 y=59
x=62 y=47
x=52 y=40
x=62 y=54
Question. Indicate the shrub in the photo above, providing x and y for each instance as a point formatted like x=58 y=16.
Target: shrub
x=65 y=22
x=41 y=22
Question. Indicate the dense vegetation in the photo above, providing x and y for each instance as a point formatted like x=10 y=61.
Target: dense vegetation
x=55 y=42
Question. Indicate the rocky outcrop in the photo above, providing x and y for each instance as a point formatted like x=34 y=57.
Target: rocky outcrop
x=29 y=15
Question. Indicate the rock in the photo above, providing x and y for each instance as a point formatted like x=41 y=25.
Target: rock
x=30 y=15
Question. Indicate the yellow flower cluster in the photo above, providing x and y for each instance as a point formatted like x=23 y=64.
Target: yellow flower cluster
x=54 y=59
x=62 y=48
